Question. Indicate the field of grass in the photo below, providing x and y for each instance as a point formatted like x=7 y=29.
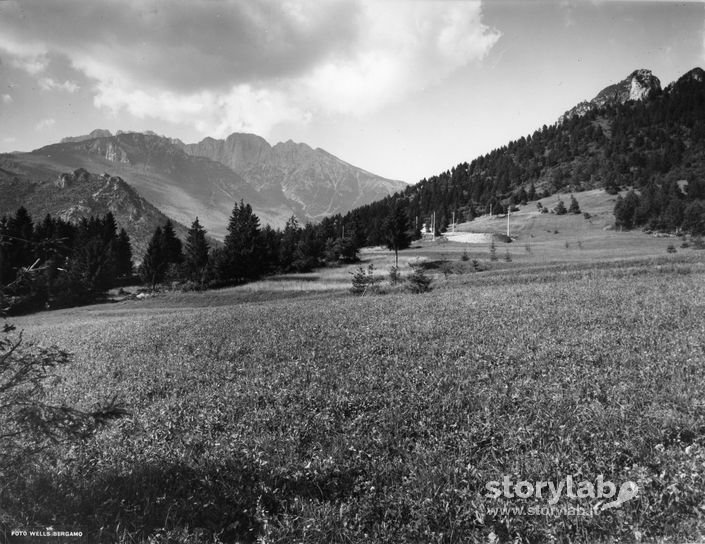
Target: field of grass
x=293 y=411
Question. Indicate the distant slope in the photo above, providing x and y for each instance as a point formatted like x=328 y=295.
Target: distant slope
x=78 y=194
x=312 y=182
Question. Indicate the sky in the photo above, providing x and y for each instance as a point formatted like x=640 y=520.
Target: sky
x=402 y=88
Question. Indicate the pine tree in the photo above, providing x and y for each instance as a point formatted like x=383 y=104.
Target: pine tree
x=171 y=245
x=196 y=254
x=242 y=255
x=574 y=206
x=560 y=208
x=154 y=262
x=122 y=254
x=396 y=231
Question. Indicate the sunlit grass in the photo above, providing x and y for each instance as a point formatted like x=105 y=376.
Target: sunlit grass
x=325 y=417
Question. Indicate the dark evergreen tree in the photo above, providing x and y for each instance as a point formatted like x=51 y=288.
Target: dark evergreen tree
x=396 y=231
x=122 y=255
x=172 y=248
x=574 y=206
x=241 y=258
x=625 y=210
x=196 y=253
x=154 y=263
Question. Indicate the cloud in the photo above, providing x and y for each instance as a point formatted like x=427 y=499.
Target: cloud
x=49 y=84
x=45 y=124
x=6 y=99
x=243 y=64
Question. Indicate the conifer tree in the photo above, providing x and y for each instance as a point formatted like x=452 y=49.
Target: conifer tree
x=122 y=254
x=154 y=262
x=196 y=254
x=396 y=231
x=574 y=206
x=241 y=256
x=171 y=245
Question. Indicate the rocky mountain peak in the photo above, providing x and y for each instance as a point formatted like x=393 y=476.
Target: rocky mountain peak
x=639 y=85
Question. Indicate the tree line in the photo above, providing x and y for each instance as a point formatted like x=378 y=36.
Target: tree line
x=250 y=251
x=55 y=263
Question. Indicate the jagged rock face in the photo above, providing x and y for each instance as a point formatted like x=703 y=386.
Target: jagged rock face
x=98 y=133
x=311 y=182
x=639 y=85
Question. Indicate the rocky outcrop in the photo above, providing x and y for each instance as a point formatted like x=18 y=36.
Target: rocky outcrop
x=639 y=85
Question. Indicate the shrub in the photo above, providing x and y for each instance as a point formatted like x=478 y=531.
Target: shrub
x=465 y=256
x=418 y=281
x=364 y=281
x=574 y=206
x=671 y=248
x=493 y=251
x=560 y=208
x=394 y=275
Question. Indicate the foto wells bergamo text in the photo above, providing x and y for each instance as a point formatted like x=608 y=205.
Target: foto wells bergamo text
x=47 y=533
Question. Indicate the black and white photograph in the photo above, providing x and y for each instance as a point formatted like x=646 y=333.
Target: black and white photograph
x=352 y=272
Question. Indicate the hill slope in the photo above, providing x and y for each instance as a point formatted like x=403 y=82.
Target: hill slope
x=655 y=143
x=72 y=196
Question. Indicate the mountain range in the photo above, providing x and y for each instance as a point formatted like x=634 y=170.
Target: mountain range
x=203 y=180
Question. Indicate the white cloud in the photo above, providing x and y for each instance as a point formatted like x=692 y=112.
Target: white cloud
x=49 y=84
x=6 y=99
x=45 y=124
x=245 y=65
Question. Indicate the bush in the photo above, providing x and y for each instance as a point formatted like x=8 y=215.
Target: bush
x=671 y=248
x=493 y=251
x=560 y=208
x=364 y=281
x=394 y=275
x=418 y=281
x=574 y=206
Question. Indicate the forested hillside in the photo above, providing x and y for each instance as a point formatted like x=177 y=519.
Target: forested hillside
x=650 y=145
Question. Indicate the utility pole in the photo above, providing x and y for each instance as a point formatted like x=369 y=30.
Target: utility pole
x=433 y=226
x=453 y=220
x=508 y=212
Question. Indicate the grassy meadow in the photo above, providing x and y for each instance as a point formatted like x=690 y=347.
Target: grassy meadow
x=292 y=411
